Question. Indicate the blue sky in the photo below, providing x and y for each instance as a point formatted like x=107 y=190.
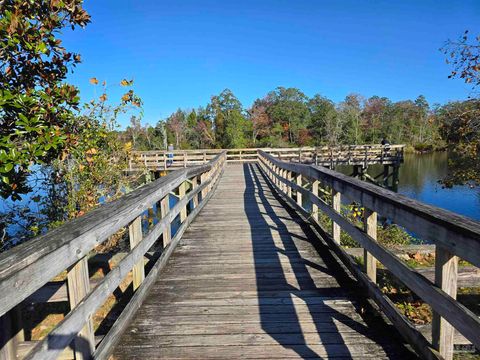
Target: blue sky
x=181 y=52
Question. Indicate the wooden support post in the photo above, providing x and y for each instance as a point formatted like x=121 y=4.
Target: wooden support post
x=283 y=174
x=165 y=161
x=194 y=186
x=78 y=285
x=289 y=188
x=135 y=236
x=336 y=204
x=299 y=194
x=8 y=349
x=446 y=273
x=370 y=227
x=315 y=184
x=164 y=209
x=203 y=178
x=395 y=175
x=184 y=159
x=11 y=333
x=182 y=190
x=385 y=175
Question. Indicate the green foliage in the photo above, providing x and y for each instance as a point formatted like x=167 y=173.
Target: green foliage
x=388 y=235
x=36 y=107
x=236 y=129
x=287 y=117
x=464 y=56
x=94 y=168
x=225 y=111
x=460 y=126
x=288 y=107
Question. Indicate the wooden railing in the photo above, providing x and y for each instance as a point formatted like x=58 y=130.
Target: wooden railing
x=453 y=235
x=363 y=155
x=29 y=266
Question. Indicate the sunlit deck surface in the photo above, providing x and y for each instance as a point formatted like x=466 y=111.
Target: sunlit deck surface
x=250 y=280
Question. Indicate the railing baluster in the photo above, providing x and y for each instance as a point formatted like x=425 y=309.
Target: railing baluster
x=336 y=204
x=203 y=178
x=289 y=188
x=78 y=284
x=182 y=190
x=164 y=209
x=298 y=180
x=194 y=186
x=315 y=184
x=370 y=227
x=135 y=236
x=446 y=274
x=8 y=348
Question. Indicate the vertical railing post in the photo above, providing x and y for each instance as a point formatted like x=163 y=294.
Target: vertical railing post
x=289 y=188
x=315 y=184
x=8 y=348
x=299 y=182
x=135 y=236
x=164 y=209
x=194 y=186
x=446 y=273
x=370 y=227
x=203 y=179
x=184 y=159
x=182 y=189
x=336 y=204
x=78 y=285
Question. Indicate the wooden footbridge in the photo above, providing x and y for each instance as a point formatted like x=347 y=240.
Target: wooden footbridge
x=247 y=271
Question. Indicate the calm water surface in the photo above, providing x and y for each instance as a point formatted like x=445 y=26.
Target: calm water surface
x=419 y=176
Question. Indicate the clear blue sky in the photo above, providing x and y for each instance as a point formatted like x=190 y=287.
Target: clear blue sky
x=182 y=52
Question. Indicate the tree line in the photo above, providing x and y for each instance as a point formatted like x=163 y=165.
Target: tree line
x=286 y=117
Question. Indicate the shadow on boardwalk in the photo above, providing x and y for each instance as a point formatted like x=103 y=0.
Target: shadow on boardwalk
x=300 y=312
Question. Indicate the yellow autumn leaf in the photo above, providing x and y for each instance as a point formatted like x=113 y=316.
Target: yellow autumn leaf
x=93 y=81
x=128 y=146
x=103 y=97
x=124 y=82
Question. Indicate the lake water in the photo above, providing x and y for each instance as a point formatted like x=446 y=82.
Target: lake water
x=419 y=177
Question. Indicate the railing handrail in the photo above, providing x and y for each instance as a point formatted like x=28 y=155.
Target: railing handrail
x=453 y=234
x=306 y=148
x=466 y=230
x=62 y=247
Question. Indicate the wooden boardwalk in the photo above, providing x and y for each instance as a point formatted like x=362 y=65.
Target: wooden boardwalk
x=248 y=280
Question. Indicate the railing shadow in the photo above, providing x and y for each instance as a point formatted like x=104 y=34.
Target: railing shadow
x=80 y=345
x=279 y=318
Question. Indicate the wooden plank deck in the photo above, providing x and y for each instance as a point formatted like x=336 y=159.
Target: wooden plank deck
x=249 y=280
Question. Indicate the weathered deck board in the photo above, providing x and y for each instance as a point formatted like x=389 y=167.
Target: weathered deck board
x=247 y=282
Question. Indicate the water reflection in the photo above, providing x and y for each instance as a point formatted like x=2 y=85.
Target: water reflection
x=418 y=179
